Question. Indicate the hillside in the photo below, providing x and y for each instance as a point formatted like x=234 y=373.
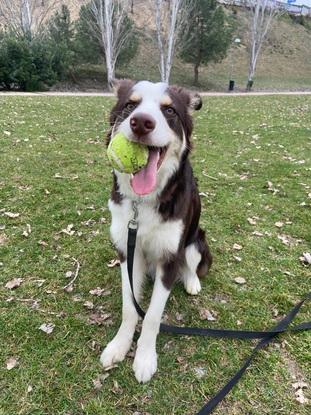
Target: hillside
x=285 y=62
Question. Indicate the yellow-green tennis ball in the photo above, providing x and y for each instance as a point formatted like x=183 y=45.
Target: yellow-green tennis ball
x=126 y=156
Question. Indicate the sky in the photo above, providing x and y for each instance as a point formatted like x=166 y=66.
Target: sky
x=300 y=2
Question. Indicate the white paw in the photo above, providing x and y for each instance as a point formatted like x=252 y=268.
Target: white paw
x=145 y=365
x=115 y=351
x=192 y=285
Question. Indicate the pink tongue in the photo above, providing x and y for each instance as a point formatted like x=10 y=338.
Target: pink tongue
x=144 y=181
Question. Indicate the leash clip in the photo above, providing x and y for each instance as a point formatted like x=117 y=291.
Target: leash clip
x=133 y=224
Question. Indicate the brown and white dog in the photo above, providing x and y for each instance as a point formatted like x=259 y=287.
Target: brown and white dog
x=170 y=244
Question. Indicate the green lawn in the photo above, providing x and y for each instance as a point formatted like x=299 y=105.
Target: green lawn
x=252 y=160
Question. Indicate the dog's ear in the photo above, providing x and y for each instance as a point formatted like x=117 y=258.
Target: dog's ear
x=195 y=101
x=191 y=100
x=121 y=87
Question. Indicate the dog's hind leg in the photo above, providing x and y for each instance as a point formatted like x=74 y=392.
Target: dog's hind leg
x=116 y=350
x=189 y=273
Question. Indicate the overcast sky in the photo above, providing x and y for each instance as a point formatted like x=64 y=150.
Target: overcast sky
x=299 y=2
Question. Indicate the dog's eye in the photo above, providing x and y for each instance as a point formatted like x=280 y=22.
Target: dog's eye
x=169 y=111
x=130 y=106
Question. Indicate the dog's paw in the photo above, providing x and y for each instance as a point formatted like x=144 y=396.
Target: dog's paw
x=145 y=365
x=192 y=285
x=115 y=351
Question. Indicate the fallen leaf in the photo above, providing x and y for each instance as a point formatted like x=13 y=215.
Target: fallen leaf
x=306 y=258
x=279 y=224
x=199 y=372
x=99 y=318
x=27 y=231
x=47 y=327
x=300 y=397
x=68 y=231
x=257 y=233
x=11 y=363
x=237 y=247
x=237 y=258
x=89 y=305
x=99 y=292
x=43 y=243
x=284 y=239
x=113 y=263
x=251 y=221
x=205 y=314
x=116 y=387
x=240 y=280
x=12 y=215
x=97 y=383
x=68 y=288
x=16 y=282
x=7 y=133
x=299 y=385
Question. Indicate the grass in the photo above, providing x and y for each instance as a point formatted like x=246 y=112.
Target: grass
x=54 y=173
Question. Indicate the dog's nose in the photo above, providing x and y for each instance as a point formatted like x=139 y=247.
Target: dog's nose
x=142 y=124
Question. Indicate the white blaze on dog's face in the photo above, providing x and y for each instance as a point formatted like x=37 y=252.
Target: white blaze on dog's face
x=157 y=116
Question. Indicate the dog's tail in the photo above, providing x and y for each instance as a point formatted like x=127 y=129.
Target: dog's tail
x=206 y=257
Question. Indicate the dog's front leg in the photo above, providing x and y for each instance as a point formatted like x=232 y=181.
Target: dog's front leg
x=145 y=362
x=116 y=350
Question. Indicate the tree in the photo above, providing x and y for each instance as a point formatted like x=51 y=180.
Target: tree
x=208 y=36
x=110 y=32
x=171 y=19
x=24 y=18
x=60 y=37
x=263 y=13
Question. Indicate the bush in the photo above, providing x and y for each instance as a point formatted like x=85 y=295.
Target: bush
x=25 y=64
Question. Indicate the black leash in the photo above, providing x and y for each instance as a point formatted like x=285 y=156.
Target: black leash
x=265 y=336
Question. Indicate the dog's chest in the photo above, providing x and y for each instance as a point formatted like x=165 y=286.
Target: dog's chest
x=155 y=237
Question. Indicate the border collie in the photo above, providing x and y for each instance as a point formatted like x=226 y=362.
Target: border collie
x=170 y=244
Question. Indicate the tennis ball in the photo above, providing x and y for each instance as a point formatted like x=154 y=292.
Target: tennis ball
x=126 y=156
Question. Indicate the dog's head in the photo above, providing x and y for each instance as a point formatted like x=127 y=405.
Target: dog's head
x=158 y=116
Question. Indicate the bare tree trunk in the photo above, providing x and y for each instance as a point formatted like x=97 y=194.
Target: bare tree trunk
x=110 y=30
x=159 y=38
x=263 y=13
x=196 y=74
x=25 y=17
x=168 y=26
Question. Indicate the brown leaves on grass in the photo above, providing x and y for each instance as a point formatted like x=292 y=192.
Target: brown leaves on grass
x=240 y=280
x=209 y=315
x=99 y=292
x=47 y=327
x=99 y=318
x=11 y=363
x=306 y=258
x=299 y=394
x=12 y=215
x=16 y=282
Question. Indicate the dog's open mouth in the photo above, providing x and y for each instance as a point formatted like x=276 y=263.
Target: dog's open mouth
x=144 y=181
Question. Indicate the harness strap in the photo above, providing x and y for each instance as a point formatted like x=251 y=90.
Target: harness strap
x=265 y=336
